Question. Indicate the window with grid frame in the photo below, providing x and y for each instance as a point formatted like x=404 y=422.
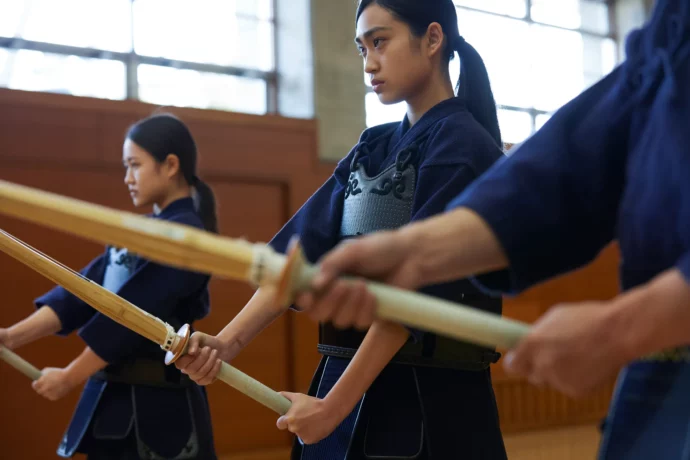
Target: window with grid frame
x=216 y=54
x=539 y=55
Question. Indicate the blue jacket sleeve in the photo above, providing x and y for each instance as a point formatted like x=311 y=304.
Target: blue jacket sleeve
x=71 y=310
x=317 y=223
x=158 y=289
x=437 y=186
x=553 y=203
x=684 y=266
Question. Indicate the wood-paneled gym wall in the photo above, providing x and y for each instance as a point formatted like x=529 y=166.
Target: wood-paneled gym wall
x=262 y=169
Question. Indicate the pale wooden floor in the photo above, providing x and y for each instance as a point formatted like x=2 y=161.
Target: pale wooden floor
x=571 y=443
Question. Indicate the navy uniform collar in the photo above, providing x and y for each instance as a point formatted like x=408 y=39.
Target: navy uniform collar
x=404 y=134
x=176 y=207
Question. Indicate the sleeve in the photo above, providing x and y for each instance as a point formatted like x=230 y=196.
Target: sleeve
x=684 y=266
x=157 y=289
x=553 y=203
x=71 y=310
x=437 y=186
x=317 y=223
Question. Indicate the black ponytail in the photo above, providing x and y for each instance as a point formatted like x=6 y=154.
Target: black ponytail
x=164 y=134
x=473 y=85
x=205 y=205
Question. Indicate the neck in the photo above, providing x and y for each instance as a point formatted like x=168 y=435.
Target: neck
x=184 y=192
x=438 y=89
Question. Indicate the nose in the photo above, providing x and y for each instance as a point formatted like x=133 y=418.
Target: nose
x=371 y=65
x=129 y=177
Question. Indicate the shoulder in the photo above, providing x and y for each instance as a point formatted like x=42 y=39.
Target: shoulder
x=186 y=217
x=460 y=139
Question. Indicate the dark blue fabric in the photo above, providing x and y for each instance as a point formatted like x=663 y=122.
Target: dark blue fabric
x=609 y=164
x=176 y=297
x=163 y=291
x=613 y=163
x=650 y=416
x=453 y=151
x=412 y=412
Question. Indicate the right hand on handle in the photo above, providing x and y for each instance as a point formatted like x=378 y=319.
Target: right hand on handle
x=205 y=354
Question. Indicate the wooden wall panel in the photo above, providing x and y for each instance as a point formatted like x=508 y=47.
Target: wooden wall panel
x=262 y=170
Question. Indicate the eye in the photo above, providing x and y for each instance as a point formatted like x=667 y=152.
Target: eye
x=377 y=42
x=362 y=51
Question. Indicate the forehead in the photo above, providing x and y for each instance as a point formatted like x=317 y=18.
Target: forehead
x=131 y=150
x=373 y=16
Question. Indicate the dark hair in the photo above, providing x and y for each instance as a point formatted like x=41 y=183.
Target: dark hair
x=164 y=134
x=473 y=86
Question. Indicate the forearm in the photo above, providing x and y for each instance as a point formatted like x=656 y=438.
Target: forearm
x=383 y=340
x=41 y=323
x=453 y=245
x=258 y=314
x=652 y=317
x=84 y=366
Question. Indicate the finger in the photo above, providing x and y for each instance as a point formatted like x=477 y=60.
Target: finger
x=327 y=304
x=305 y=301
x=205 y=369
x=344 y=258
x=347 y=257
x=352 y=301
x=198 y=362
x=282 y=423
x=519 y=361
x=211 y=376
x=535 y=380
x=206 y=376
x=216 y=370
x=182 y=362
x=290 y=396
x=196 y=342
x=365 y=313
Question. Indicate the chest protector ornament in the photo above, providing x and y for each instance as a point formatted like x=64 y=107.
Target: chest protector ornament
x=119 y=269
x=382 y=202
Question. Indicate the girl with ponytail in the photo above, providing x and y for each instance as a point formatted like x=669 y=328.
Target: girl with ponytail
x=389 y=391
x=129 y=392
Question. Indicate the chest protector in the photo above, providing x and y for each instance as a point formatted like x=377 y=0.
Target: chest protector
x=384 y=202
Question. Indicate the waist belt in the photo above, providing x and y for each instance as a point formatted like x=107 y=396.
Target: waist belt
x=144 y=371
x=432 y=351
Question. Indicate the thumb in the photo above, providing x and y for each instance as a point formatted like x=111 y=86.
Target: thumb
x=197 y=341
x=282 y=422
x=290 y=396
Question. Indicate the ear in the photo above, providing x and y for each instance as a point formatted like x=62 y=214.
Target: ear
x=172 y=165
x=434 y=38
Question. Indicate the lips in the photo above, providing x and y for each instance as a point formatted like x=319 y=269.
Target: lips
x=377 y=84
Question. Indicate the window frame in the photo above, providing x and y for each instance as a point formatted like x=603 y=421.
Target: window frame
x=528 y=20
x=131 y=60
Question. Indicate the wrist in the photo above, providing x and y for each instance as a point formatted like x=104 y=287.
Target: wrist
x=637 y=320
x=413 y=240
x=14 y=338
x=228 y=348
x=73 y=377
x=339 y=405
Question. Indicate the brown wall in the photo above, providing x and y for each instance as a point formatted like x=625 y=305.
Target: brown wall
x=262 y=169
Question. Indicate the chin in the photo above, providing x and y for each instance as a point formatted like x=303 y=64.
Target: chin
x=389 y=99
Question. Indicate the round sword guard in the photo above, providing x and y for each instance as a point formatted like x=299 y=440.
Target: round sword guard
x=286 y=288
x=178 y=348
